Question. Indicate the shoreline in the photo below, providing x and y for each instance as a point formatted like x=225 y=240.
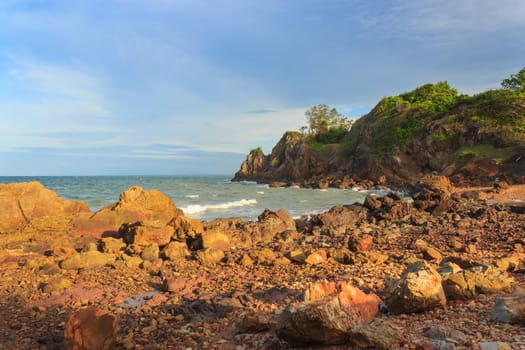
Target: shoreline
x=225 y=284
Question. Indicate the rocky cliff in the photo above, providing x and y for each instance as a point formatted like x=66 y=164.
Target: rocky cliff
x=474 y=140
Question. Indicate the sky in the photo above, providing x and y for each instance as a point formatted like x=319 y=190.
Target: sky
x=167 y=87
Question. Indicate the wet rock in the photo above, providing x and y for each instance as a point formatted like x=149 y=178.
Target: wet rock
x=378 y=334
x=510 y=308
x=146 y=233
x=87 y=260
x=91 y=329
x=329 y=311
x=210 y=256
x=418 y=289
x=175 y=251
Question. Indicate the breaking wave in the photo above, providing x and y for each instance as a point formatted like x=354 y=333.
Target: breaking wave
x=197 y=208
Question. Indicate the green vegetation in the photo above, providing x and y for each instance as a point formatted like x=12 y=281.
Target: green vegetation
x=256 y=151
x=484 y=151
x=326 y=124
x=515 y=82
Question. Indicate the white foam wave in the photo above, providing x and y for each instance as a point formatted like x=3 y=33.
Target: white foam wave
x=260 y=192
x=197 y=208
x=192 y=196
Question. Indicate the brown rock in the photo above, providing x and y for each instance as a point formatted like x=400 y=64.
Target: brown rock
x=361 y=244
x=150 y=252
x=112 y=245
x=378 y=334
x=210 y=256
x=22 y=202
x=134 y=204
x=87 y=260
x=418 y=289
x=215 y=239
x=146 y=233
x=246 y=260
x=264 y=256
x=297 y=256
x=184 y=227
x=91 y=329
x=329 y=312
x=175 y=251
x=315 y=258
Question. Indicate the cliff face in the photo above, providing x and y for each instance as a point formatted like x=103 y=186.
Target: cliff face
x=431 y=130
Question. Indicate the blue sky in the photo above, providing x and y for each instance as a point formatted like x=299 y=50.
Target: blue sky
x=187 y=86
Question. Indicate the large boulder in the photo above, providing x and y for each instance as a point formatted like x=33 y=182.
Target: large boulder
x=87 y=260
x=268 y=224
x=22 y=202
x=327 y=314
x=378 y=334
x=91 y=329
x=146 y=233
x=339 y=218
x=479 y=279
x=134 y=204
x=419 y=289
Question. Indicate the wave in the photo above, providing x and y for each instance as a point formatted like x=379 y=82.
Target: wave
x=260 y=192
x=197 y=208
x=191 y=196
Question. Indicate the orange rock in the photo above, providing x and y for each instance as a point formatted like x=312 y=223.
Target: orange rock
x=21 y=202
x=90 y=329
x=327 y=315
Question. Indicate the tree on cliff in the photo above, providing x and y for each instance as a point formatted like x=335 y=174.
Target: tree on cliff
x=515 y=81
x=322 y=118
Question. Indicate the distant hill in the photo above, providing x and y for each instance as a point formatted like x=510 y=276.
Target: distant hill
x=431 y=130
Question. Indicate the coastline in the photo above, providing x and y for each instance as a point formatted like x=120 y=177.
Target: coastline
x=232 y=280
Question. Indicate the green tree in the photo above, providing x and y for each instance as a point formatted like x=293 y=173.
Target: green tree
x=322 y=118
x=515 y=82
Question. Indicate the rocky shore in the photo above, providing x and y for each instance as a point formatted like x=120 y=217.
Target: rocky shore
x=445 y=270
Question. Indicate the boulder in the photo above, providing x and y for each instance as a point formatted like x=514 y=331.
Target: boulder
x=134 y=204
x=150 y=252
x=215 y=239
x=510 y=308
x=361 y=244
x=175 y=251
x=327 y=314
x=419 y=289
x=22 y=202
x=146 y=233
x=264 y=256
x=339 y=218
x=184 y=227
x=378 y=334
x=87 y=260
x=112 y=245
x=91 y=329
x=210 y=256
x=317 y=257
x=270 y=223
x=479 y=279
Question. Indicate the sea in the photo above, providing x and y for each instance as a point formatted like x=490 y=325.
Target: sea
x=201 y=197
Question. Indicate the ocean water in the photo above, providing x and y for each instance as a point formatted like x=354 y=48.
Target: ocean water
x=201 y=197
